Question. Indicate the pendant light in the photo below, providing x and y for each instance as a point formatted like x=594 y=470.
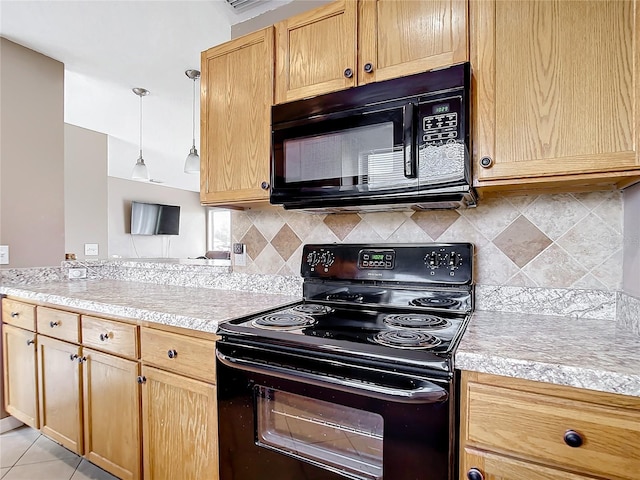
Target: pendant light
x=140 y=171
x=192 y=163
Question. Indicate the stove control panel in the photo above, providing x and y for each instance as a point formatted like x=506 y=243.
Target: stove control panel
x=373 y=259
x=444 y=263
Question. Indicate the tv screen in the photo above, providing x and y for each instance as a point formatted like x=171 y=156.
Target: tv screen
x=154 y=219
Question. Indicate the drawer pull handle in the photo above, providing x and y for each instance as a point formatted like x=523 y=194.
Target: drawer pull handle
x=475 y=474
x=30 y=342
x=53 y=324
x=172 y=353
x=141 y=380
x=104 y=337
x=73 y=356
x=573 y=438
x=15 y=314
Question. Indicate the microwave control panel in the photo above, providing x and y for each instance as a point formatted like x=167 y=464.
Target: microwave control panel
x=440 y=120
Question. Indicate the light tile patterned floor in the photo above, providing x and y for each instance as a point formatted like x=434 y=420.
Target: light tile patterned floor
x=27 y=455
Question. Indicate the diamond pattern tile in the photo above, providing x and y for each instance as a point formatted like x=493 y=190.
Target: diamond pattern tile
x=563 y=241
x=435 y=222
x=286 y=242
x=342 y=225
x=522 y=241
x=255 y=242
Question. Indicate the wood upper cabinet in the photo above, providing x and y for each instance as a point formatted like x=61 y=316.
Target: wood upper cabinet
x=556 y=93
x=59 y=371
x=20 y=374
x=514 y=429
x=235 y=108
x=111 y=403
x=348 y=43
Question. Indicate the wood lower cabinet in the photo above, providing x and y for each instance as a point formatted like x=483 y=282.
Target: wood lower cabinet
x=235 y=120
x=60 y=374
x=348 y=43
x=514 y=429
x=556 y=94
x=179 y=406
x=111 y=402
x=20 y=374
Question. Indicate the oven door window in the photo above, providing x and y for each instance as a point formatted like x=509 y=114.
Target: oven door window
x=339 y=438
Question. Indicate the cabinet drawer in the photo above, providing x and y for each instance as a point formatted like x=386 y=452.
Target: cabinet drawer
x=498 y=467
x=59 y=324
x=19 y=314
x=189 y=356
x=109 y=336
x=533 y=426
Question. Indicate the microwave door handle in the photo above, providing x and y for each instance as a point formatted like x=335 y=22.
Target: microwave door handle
x=410 y=157
x=424 y=391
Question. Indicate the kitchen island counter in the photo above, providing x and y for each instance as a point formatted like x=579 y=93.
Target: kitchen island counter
x=579 y=352
x=200 y=309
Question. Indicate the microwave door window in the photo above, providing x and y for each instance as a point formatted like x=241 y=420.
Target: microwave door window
x=354 y=159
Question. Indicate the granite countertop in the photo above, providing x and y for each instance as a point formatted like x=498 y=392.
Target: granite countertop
x=578 y=352
x=194 y=308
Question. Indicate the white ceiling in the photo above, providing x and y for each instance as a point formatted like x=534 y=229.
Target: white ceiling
x=109 y=47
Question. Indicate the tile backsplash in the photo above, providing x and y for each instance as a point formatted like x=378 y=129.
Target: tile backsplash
x=552 y=241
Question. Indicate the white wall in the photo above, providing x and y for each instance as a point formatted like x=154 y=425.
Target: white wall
x=31 y=157
x=85 y=191
x=189 y=244
x=631 y=264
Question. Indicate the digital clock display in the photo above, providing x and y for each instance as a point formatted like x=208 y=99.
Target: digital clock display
x=377 y=256
x=441 y=108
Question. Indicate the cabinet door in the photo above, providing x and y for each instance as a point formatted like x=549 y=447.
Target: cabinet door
x=498 y=467
x=112 y=414
x=60 y=391
x=180 y=427
x=236 y=99
x=398 y=38
x=20 y=374
x=556 y=89
x=316 y=50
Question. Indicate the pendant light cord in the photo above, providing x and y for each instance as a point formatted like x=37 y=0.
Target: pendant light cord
x=140 y=126
x=193 y=112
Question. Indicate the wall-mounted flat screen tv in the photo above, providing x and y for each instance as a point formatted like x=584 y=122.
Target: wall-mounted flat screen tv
x=154 y=219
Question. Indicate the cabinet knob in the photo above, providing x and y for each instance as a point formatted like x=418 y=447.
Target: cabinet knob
x=348 y=73
x=368 y=67
x=30 y=342
x=104 y=337
x=73 y=357
x=82 y=359
x=53 y=324
x=486 y=162
x=474 y=474
x=172 y=353
x=141 y=379
x=573 y=438
x=15 y=314
x=264 y=185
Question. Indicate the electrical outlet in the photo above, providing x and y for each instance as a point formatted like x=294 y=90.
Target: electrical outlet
x=77 y=272
x=91 y=249
x=4 y=254
x=239 y=254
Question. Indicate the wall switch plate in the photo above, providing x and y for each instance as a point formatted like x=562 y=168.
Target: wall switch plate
x=4 y=254
x=239 y=254
x=91 y=249
x=77 y=273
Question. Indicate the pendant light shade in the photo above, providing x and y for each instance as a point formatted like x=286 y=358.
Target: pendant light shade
x=192 y=163
x=140 y=171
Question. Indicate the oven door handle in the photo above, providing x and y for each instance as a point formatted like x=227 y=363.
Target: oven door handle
x=424 y=392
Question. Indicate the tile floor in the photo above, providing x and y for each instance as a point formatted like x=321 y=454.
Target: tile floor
x=27 y=455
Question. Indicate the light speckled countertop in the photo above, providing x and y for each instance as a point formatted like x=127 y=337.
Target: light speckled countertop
x=199 y=309
x=579 y=352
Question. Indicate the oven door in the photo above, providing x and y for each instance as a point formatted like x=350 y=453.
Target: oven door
x=295 y=418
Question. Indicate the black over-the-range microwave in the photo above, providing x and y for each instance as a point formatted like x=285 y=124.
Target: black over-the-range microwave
x=396 y=144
